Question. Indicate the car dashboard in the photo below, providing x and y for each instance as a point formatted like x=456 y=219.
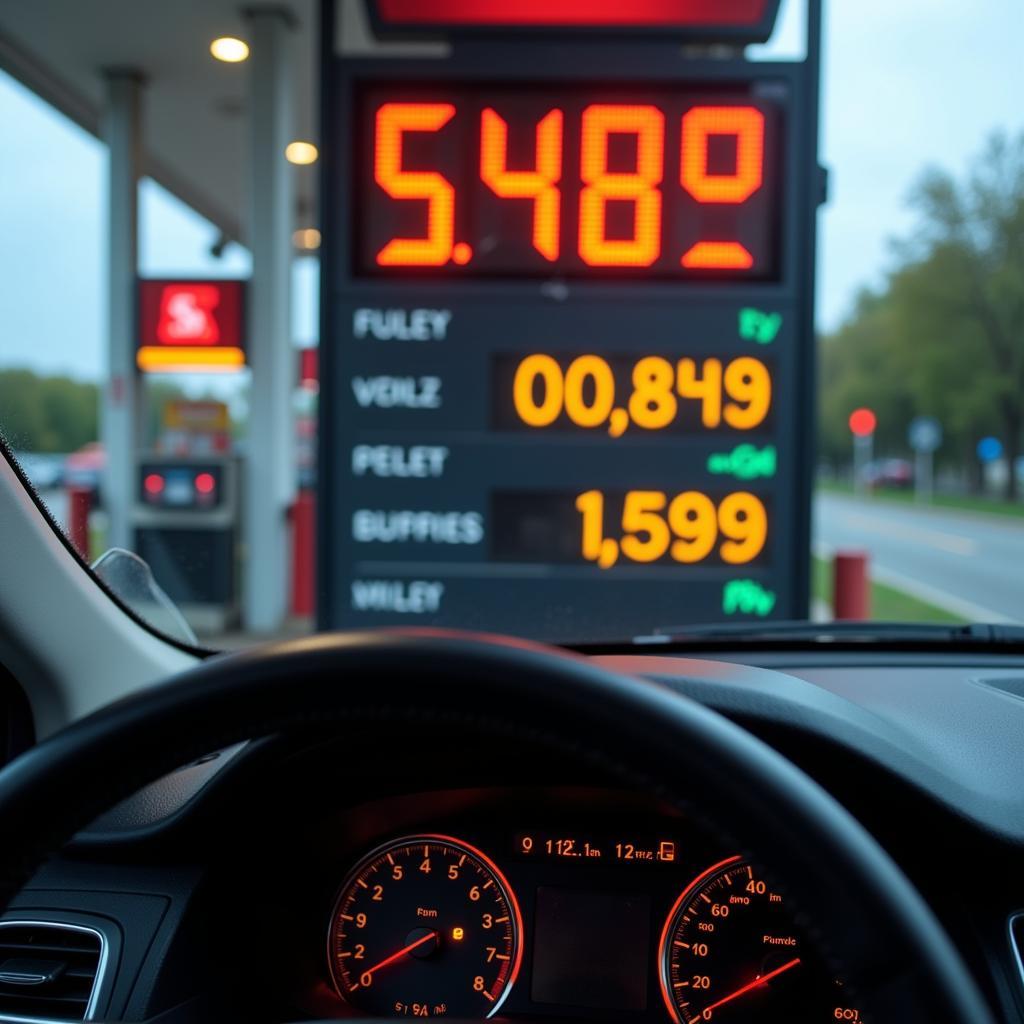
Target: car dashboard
x=349 y=876
x=570 y=901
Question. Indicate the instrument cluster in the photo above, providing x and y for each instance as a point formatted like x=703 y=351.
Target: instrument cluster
x=627 y=922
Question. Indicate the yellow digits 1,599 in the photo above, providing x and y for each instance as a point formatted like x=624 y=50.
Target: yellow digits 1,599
x=686 y=527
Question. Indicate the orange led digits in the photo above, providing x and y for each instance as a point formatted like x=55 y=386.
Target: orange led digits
x=699 y=124
x=393 y=121
x=538 y=185
x=638 y=186
x=719 y=256
x=747 y=125
x=455 y=174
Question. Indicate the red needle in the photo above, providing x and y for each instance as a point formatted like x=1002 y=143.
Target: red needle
x=405 y=949
x=756 y=983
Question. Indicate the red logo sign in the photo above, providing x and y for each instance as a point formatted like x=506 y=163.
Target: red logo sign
x=187 y=315
x=190 y=313
x=190 y=325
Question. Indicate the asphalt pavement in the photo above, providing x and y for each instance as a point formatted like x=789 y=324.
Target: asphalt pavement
x=971 y=564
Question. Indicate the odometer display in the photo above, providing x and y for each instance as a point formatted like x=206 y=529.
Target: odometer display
x=425 y=926
x=555 y=181
x=731 y=952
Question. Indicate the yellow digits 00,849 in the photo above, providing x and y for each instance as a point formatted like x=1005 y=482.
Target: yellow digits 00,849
x=735 y=394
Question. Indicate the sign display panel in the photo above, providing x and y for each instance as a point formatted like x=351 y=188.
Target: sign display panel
x=563 y=388
x=570 y=181
x=190 y=326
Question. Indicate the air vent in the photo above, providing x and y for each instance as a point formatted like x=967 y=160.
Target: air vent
x=49 y=970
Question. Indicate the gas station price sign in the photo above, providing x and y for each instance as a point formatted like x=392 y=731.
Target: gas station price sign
x=567 y=332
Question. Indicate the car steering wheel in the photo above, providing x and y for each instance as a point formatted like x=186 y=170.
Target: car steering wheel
x=869 y=921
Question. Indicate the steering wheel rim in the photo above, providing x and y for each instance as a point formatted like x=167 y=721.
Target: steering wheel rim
x=890 y=946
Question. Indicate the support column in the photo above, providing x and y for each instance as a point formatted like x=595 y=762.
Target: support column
x=119 y=409
x=270 y=483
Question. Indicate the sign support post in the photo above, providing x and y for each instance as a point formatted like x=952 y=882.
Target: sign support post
x=122 y=132
x=925 y=436
x=269 y=478
x=923 y=477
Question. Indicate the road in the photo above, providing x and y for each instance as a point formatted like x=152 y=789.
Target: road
x=970 y=564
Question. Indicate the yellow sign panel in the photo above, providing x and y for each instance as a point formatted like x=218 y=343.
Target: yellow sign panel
x=204 y=417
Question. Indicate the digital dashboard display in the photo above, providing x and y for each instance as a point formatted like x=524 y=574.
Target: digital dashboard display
x=592 y=948
x=546 y=180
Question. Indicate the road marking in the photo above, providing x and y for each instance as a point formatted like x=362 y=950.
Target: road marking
x=933 y=595
x=951 y=542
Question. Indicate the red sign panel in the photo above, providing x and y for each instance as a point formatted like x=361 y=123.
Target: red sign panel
x=192 y=326
x=753 y=16
x=190 y=313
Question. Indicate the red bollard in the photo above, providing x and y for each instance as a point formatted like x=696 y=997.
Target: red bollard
x=79 y=503
x=304 y=554
x=851 y=596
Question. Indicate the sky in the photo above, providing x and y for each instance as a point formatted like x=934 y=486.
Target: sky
x=906 y=84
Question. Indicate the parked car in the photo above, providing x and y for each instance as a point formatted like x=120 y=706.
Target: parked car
x=45 y=470
x=896 y=473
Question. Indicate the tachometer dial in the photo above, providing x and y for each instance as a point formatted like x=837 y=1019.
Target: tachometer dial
x=731 y=953
x=425 y=926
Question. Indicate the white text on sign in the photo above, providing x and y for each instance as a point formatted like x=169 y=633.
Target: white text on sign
x=417 y=461
x=397 y=392
x=401 y=324
x=417 y=597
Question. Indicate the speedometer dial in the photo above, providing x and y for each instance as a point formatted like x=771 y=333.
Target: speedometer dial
x=425 y=926
x=731 y=953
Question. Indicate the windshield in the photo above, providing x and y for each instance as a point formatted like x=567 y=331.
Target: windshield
x=575 y=325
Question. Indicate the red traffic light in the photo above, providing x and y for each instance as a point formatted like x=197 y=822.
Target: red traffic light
x=863 y=422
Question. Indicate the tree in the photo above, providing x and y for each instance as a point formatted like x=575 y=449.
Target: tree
x=860 y=365
x=964 y=278
x=47 y=414
x=945 y=335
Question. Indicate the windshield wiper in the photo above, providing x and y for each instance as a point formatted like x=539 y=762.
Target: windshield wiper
x=844 y=632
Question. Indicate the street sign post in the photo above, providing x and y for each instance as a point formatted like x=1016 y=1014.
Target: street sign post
x=925 y=437
x=990 y=449
x=567 y=347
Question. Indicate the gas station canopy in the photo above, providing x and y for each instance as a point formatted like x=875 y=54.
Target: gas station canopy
x=195 y=127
